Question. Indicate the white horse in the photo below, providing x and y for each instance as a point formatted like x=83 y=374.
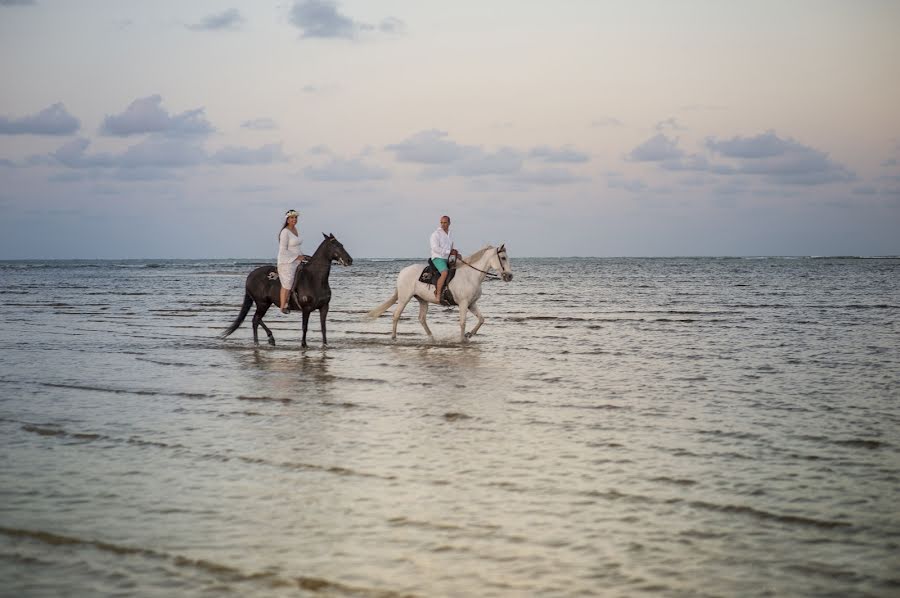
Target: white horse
x=465 y=287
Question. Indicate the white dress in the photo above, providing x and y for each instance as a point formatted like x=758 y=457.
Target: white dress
x=288 y=250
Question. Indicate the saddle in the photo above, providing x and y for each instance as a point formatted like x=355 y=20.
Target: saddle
x=430 y=276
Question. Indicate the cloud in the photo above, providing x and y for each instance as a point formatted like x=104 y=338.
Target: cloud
x=866 y=190
x=340 y=170
x=564 y=154
x=150 y=153
x=260 y=124
x=430 y=147
x=781 y=160
x=550 y=177
x=703 y=108
x=656 y=149
x=158 y=153
x=633 y=185
x=146 y=115
x=266 y=154
x=322 y=19
x=53 y=120
x=392 y=26
x=230 y=19
x=766 y=156
x=669 y=123
x=18 y=3
x=444 y=157
x=696 y=163
x=162 y=153
x=607 y=122
x=765 y=145
x=480 y=163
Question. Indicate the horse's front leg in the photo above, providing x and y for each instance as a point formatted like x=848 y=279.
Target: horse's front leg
x=323 y=312
x=477 y=312
x=423 y=313
x=463 y=311
x=305 y=326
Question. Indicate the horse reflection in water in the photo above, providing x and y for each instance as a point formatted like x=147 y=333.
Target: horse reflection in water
x=311 y=291
x=465 y=288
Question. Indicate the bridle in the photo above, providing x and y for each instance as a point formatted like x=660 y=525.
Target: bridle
x=485 y=272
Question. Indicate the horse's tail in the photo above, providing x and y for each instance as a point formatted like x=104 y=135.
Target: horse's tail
x=383 y=307
x=248 y=301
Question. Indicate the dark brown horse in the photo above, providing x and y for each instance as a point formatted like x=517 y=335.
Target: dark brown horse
x=310 y=292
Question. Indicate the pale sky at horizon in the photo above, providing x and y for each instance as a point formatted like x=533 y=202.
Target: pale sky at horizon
x=579 y=127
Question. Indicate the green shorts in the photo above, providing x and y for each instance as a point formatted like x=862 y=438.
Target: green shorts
x=440 y=263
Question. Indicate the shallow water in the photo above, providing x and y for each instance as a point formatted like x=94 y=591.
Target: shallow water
x=618 y=427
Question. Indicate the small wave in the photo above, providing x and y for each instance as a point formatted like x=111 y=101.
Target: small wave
x=862 y=443
x=727 y=434
x=156 y=362
x=454 y=416
x=676 y=481
x=217 y=570
x=189 y=395
x=405 y=522
x=265 y=399
x=763 y=515
x=47 y=430
x=44 y=431
x=599 y=406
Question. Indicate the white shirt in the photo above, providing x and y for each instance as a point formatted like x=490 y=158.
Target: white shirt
x=288 y=246
x=441 y=244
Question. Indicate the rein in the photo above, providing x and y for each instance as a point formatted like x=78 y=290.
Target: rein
x=485 y=272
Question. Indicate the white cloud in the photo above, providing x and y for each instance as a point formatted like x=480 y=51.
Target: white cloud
x=549 y=177
x=146 y=115
x=53 y=120
x=339 y=170
x=323 y=19
x=607 y=121
x=230 y=19
x=260 y=124
x=430 y=147
x=656 y=149
x=782 y=161
x=266 y=154
x=565 y=154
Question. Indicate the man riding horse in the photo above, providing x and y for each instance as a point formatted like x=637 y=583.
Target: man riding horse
x=441 y=250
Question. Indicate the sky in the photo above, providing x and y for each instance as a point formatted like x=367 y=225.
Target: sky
x=173 y=129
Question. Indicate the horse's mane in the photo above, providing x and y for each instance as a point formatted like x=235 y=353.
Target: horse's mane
x=477 y=255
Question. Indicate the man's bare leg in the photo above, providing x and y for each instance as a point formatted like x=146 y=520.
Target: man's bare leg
x=440 y=286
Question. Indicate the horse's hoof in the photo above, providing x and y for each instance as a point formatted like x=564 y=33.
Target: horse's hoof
x=271 y=342
x=468 y=335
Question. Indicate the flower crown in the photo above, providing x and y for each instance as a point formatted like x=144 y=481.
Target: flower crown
x=292 y=214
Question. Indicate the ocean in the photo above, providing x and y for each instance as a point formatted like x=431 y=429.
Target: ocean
x=618 y=427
